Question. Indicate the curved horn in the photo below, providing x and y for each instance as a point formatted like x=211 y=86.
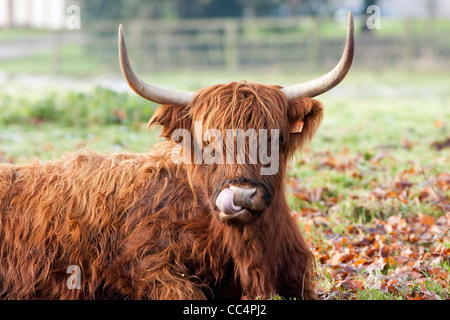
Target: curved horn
x=331 y=79
x=145 y=90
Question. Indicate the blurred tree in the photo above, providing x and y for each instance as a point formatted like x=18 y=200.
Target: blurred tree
x=100 y=9
x=208 y=8
x=220 y=8
x=150 y=9
x=284 y=7
x=95 y=10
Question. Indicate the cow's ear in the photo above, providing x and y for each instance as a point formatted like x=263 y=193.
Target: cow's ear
x=171 y=117
x=305 y=116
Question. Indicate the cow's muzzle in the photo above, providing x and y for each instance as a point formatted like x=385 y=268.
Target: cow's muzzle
x=240 y=201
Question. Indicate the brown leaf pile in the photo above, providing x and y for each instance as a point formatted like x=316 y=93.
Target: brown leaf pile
x=401 y=254
x=391 y=256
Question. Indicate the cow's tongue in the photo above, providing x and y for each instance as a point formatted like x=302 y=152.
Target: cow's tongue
x=225 y=202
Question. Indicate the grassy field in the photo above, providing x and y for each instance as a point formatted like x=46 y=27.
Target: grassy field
x=370 y=193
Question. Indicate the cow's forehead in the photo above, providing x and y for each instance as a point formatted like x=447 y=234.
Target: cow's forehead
x=240 y=105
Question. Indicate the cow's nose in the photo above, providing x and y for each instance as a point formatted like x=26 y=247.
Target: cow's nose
x=232 y=200
x=243 y=197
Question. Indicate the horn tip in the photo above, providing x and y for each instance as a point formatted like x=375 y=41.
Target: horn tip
x=121 y=36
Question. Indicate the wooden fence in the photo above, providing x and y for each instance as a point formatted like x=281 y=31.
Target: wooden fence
x=264 y=44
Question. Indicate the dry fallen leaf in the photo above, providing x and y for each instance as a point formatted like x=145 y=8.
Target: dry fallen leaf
x=427 y=220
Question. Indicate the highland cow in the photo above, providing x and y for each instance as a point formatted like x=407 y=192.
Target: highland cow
x=143 y=226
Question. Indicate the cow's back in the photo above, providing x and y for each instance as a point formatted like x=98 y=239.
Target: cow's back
x=77 y=211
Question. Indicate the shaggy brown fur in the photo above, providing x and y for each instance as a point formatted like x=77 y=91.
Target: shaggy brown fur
x=141 y=227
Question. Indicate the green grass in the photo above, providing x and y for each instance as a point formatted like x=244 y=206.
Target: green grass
x=46 y=125
x=20 y=33
x=380 y=114
x=72 y=60
x=75 y=109
x=20 y=144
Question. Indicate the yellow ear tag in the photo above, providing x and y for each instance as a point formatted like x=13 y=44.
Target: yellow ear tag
x=297 y=127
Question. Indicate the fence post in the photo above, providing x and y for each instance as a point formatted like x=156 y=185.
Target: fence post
x=408 y=48
x=136 y=45
x=314 y=46
x=230 y=46
x=55 y=53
